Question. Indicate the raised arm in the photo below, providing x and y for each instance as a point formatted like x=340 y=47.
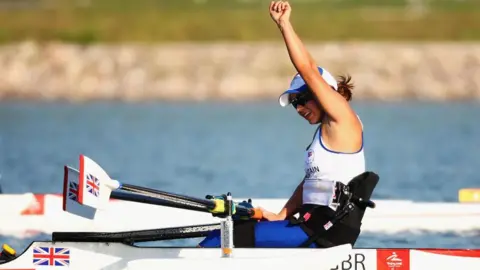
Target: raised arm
x=336 y=106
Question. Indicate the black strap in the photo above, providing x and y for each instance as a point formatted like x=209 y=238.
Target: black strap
x=315 y=237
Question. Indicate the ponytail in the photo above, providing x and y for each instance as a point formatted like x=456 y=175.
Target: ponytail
x=345 y=87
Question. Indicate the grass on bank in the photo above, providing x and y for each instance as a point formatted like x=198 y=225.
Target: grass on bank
x=86 y=21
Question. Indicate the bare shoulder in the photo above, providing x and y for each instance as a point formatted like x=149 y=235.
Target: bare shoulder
x=344 y=136
x=349 y=121
x=351 y=126
x=352 y=134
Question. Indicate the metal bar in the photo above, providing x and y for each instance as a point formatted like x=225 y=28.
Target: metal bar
x=177 y=198
x=142 y=198
x=130 y=237
x=163 y=198
x=226 y=230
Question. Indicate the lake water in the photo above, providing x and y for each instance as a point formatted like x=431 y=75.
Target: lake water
x=422 y=151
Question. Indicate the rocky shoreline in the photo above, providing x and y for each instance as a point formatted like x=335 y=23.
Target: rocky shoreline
x=235 y=71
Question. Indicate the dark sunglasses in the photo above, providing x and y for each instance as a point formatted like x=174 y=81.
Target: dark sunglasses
x=301 y=99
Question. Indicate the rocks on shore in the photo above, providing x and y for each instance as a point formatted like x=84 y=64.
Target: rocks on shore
x=237 y=71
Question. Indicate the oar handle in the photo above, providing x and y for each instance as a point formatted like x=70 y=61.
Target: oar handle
x=256 y=213
x=253 y=213
x=169 y=199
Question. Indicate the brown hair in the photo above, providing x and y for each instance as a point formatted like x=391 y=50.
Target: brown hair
x=345 y=87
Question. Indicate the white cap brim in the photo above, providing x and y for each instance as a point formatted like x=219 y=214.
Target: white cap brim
x=284 y=98
x=298 y=85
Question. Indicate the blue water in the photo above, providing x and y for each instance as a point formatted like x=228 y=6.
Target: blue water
x=422 y=151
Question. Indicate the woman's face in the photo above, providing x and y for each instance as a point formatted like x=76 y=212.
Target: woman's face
x=307 y=107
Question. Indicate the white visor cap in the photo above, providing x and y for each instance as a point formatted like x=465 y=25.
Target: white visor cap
x=298 y=85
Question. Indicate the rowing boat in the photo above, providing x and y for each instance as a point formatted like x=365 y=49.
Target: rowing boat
x=120 y=250
x=42 y=213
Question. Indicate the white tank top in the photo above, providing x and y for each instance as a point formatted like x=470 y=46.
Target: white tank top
x=324 y=167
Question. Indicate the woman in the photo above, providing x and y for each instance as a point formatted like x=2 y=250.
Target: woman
x=334 y=156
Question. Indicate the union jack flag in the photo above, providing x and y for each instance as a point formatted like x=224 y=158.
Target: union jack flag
x=93 y=185
x=51 y=256
x=73 y=191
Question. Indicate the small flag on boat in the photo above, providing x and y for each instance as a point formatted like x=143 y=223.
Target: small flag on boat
x=51 y=256
x=73 y=191
x=93 y=185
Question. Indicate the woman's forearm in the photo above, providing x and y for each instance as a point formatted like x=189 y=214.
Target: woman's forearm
x=300 y=57
x=293 y=203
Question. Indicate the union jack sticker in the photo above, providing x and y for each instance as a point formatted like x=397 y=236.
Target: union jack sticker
x=73 y=191
x=93 y=185
x=51 y=256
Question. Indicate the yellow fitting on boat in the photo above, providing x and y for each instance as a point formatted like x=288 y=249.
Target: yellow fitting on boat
x=219 y=206
x=469 y=195
x=8 y=249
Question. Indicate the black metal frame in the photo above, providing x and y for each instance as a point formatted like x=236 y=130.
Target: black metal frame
x=131 y=237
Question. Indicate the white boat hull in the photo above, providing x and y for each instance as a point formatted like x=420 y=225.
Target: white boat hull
x=115 y=256
x=42 y=213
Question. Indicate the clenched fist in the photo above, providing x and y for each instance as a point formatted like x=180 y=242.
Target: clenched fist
x=280 y=11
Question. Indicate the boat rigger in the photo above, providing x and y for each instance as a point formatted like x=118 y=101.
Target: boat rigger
x=42 y=213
